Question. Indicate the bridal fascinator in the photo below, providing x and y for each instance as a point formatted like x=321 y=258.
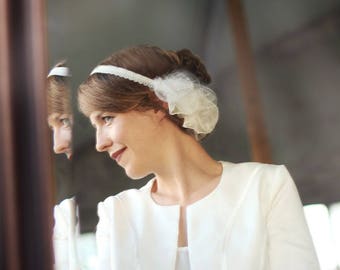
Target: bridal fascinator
x=185 y=95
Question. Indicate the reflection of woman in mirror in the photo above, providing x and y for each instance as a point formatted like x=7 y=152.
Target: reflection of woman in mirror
x=60 y=121
x=150 y=108
x=59 y=109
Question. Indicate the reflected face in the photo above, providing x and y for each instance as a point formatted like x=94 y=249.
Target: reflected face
x=129 y=138
x=61 y=125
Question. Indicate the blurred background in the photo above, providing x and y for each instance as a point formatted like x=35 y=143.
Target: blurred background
x=296 y=48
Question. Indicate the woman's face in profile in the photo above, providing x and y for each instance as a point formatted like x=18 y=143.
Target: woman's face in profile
x=61 y=125
x=131 y=139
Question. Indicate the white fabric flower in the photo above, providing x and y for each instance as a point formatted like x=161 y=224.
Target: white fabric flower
x=188 y=99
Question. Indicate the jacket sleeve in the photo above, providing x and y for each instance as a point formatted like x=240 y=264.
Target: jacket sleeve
x=64 y=235
x=289 y=239
x=114 y=237
x=103 y=237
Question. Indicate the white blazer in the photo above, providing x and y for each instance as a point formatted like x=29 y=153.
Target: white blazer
x=252 y=220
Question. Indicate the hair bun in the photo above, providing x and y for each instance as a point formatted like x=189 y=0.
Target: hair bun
x=192 y=63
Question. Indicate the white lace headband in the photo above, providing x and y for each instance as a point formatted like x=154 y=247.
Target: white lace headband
x=60 y=71
x=185 y=95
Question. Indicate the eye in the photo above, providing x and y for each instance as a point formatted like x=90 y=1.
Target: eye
x=66 y=122
x=107 y=119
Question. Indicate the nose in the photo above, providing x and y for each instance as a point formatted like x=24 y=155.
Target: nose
x=103 y=142
x=61 y=141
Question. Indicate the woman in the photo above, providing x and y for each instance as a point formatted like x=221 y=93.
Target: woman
x=59 y=109
x=60 y=121
x=150 y=108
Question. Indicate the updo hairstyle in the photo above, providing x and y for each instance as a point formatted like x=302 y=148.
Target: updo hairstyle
x=109 y=93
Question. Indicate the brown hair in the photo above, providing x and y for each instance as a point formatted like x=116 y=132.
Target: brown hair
x=58 y=93
x=105 y=92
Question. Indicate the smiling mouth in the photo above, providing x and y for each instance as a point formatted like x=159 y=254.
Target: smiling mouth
x=116 y=155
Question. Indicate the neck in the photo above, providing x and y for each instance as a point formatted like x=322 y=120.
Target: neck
x=187 y=174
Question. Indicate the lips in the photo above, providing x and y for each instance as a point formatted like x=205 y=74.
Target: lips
x=116 y=155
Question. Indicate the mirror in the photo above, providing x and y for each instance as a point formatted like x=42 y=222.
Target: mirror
x=60 y=121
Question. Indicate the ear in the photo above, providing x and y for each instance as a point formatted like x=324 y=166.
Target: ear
x=160 y=115
x=165 y=108
x=155 y=115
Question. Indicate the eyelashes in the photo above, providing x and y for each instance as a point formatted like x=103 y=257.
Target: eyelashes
x=107 y=119
x=65 y=122
x=102 y=119
x=60 y=121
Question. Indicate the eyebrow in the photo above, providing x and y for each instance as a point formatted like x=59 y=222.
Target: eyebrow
x=53 y=118
x=95 y=117
x=93 y=125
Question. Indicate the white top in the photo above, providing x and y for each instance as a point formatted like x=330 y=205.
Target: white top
x=253 y=220
x=182 y=261
x=65 y=232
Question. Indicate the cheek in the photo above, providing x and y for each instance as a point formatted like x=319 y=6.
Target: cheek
x=124 y=133
x=137 y=134
x=66 y=135
x=116 y=134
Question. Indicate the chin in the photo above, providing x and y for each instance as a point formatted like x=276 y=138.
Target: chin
x=135 y=174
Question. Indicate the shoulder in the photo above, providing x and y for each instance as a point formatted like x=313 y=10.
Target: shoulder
x=250 y=166
x=266 y=177
x=258 y=182
x=124 y=200
x=260 y=170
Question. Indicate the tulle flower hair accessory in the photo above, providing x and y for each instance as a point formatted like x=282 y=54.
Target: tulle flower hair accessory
x=185 y=95
x=59 y=71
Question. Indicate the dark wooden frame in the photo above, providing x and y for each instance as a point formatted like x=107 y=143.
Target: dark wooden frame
x=25 y=158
